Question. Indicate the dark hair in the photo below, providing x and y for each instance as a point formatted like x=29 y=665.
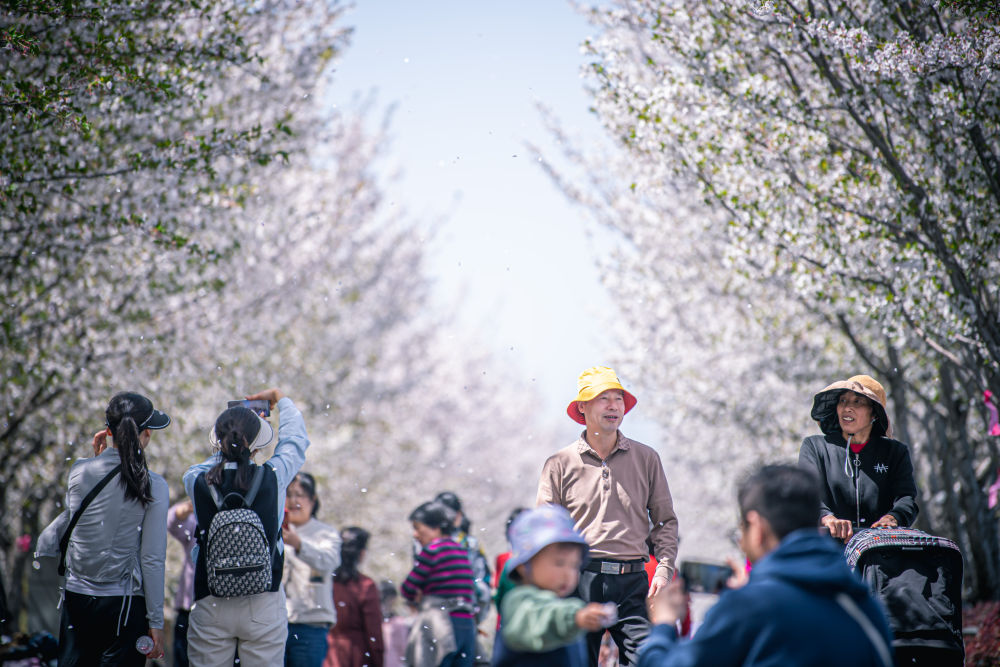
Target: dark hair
x=121 y=419
x=449 y=499
x=514 y=513
x=355 y=540
x=387 y=594
x=308 y=484
x=235 y=429
x=452 y=501
x=785 y=495
x=436 y=515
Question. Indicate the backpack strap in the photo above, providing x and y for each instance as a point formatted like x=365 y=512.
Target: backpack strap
x=258 y=478
x=877 y=640
x=64 y=541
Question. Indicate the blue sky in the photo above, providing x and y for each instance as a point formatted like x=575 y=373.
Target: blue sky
x=465 y=79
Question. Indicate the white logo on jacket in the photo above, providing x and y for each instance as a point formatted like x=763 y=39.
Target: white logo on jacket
x=881 y=467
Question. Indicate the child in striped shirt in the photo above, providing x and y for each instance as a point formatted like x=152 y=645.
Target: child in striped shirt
x=441 y=581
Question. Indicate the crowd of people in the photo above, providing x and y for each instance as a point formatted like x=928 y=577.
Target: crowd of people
x=591 y=569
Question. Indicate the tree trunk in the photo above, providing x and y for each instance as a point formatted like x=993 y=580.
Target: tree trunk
x=978 y=522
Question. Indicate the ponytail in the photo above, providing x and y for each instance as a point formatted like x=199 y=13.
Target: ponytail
x=234 y=430
x=134 y=479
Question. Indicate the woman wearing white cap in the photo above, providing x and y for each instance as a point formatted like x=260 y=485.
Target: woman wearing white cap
x=114 y=547
x=255 y=623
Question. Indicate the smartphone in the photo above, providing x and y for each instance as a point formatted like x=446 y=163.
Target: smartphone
x=260 y=406
x=702 y=577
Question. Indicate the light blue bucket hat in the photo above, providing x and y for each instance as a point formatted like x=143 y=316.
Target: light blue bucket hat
x=536 y=529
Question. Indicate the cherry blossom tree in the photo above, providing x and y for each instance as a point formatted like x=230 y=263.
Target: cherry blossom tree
x=837 y=164
x=110 y=154
x=198 y=224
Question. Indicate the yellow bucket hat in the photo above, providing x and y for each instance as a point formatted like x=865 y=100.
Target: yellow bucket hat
x=592 y=383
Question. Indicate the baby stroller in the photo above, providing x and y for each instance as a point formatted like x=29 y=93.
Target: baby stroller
x=918 y=578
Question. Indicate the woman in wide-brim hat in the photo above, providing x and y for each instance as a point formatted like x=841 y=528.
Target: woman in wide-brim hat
x=866 y=477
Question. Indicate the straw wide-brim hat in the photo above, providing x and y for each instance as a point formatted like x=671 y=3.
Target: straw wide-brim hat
x=824 y=409
x=591 y=384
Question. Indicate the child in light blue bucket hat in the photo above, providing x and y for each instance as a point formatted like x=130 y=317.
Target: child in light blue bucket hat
x=540 y=625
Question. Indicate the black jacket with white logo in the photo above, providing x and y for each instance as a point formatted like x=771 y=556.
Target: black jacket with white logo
x=875 y=482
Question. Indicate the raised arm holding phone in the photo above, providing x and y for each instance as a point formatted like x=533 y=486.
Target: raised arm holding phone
x=237 y=605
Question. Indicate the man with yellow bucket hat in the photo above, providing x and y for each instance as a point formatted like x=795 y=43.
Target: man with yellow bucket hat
x=617 y=494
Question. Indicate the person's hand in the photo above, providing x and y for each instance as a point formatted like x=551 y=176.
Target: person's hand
x=888 y=521
x=100 y=442
x=590 y=617
x=183 y=509
x=740 y=576
x=290 y=536
x=272 y=396
x=839 y=528
x=157 y=652
x=656 y=585
x=662 y=607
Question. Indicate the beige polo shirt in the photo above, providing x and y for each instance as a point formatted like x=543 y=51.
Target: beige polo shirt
x=613 y=501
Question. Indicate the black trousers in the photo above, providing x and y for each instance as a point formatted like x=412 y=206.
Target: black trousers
x=181 y=638
x=628 y=591
x=90 y=633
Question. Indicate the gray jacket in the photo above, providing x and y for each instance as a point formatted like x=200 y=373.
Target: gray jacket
x=432 y=635
x=116 y=540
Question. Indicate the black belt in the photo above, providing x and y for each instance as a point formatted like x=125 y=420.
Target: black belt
x=615 y=566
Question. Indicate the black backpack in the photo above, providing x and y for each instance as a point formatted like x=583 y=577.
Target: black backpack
x=237 y=555
x=918 y=578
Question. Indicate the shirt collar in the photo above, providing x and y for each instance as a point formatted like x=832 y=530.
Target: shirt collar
x=622 y=444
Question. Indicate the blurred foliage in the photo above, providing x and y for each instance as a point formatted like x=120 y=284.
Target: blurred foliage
x=988 y=9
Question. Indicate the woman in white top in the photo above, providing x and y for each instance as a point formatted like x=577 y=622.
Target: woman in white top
x=312 y=556
x=116 y=550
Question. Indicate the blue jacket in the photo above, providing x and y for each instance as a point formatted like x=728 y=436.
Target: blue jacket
x=786 y=615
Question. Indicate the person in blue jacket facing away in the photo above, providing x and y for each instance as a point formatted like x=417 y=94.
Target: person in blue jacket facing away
x=802 y=604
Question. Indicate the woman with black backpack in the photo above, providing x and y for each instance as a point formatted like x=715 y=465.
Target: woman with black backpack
x=112 y=539
x=239 y=602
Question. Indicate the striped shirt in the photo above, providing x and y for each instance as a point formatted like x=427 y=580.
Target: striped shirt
x=443 y=569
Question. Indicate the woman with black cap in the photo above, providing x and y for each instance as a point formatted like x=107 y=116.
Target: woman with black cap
x=114 y=548
x=866 y=477
x=256 y=622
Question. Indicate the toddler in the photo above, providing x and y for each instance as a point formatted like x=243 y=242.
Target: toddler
x=540 y=625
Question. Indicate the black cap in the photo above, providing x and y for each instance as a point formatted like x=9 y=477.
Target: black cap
x=449 y=499
x=143 y=412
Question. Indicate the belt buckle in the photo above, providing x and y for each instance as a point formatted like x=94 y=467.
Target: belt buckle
x=610 y=568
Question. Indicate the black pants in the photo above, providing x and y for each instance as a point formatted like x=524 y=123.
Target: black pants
x=90 y=633
x=628 y=591
x=181 y=638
